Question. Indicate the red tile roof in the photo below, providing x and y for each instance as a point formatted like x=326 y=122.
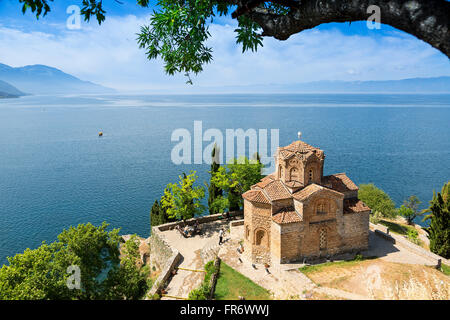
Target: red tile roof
x=355 y=206
x=339 y=182
x=299 y=148
x=307 y=191
x=293 y=184
x=286 y=215
x=255 y=196
x=275 y=190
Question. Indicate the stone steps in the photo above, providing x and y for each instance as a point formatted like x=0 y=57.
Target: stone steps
x=210 y=251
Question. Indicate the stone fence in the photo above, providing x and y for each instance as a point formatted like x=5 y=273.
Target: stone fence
x=165 y=257
x=202 y=219
x=405 y=243
x=213 y=280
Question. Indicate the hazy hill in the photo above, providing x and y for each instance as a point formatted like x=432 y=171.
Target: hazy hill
x=40 y=79
x=9 y=91
x=412 y=85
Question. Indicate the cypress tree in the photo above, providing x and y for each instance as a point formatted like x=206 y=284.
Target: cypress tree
x=439 y=216
x=155 y=217
x=213 y=191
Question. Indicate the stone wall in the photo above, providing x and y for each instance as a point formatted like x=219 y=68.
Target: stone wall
x=160 y=250
x=311 y=241
x=257 y=218
x=203 y=219
x=330 y=222
x=290 y=235
x=164 y=257
x=356 y=231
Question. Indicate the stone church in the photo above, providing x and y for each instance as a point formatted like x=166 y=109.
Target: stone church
x=297 y=213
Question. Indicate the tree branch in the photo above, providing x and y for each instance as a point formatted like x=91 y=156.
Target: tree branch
x=428 y=20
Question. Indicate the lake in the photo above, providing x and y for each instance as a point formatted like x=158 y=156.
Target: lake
x=55 y=171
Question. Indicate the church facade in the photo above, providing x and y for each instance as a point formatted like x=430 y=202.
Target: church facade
x=297 y=212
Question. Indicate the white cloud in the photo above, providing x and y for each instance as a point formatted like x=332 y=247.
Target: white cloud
x=109 y=55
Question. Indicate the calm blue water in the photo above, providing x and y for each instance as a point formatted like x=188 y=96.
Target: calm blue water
x=56 y=172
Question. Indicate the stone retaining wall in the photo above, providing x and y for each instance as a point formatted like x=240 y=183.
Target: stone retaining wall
x=160 y=250
x=163 y=256
x=203 y=219
x=165 y=274
x=214 y=277
x=237 y=223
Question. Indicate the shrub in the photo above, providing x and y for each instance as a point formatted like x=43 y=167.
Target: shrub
x=200 y=293
x=155 y=297
x=358 y=257
x=412 y=234
x=375 y=217
x=377 y=200
x=439 y=216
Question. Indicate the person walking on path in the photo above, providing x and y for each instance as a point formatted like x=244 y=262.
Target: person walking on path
x=220 y=236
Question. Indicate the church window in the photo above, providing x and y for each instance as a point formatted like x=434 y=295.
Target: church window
x=260 y=235
x=322 y=239
x=321 y=207
x=294 y=174
x=311 y=175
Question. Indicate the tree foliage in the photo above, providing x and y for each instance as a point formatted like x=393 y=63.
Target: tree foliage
x=129 y=281
x=439 y=217
x=182 y=200
x=178 y=30
x=42 y=273
x=234 y=179
x=214 y=192
x=410 y=209
x=158 y=215
x=377 y=200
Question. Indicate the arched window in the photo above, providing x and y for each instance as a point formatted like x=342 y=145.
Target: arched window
x=247 y=232
x=280 y=171
x=260 y=235
x=311 y=175
x=322 y=207
x=322 y=239
x=294 y=174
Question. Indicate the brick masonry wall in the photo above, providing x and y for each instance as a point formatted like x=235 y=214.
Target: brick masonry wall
x=257 y=217
x=356 y=231
x=291 y=236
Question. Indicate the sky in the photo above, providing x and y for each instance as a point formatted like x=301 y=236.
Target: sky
x=109 y=55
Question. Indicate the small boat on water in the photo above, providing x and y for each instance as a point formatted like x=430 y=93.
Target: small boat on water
x=100 y=134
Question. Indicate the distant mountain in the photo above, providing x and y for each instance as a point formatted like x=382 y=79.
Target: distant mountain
x=9 y=91
x=412 y=85
x=40 y=79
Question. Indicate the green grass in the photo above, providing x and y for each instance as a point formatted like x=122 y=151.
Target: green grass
x=396 y=227
x=232 y=284
x=445 y=269
x=402 y=230
x=320 y=267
